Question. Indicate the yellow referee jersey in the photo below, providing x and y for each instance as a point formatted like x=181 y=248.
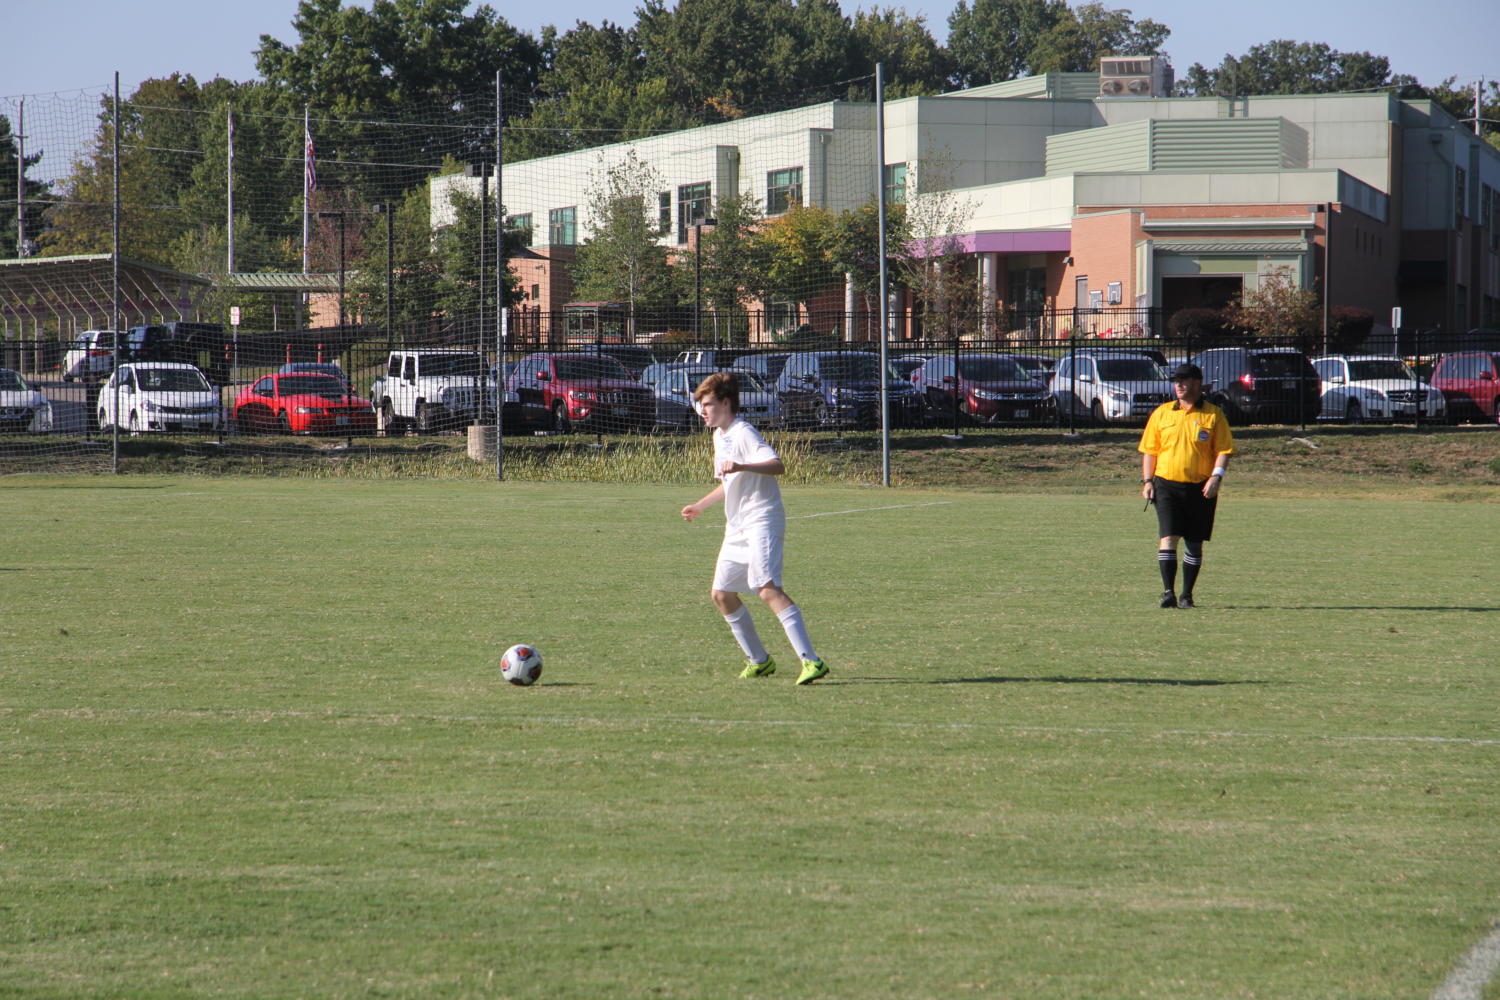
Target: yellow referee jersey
x=1186 y=442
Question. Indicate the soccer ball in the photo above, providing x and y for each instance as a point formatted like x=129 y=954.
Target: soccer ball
x=521 y=664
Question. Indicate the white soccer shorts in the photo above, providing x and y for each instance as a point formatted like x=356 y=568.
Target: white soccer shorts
x=748 y=562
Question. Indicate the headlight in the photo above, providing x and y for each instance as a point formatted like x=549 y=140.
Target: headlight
x=309 y=409
x=445 y=397
x=1119 y=397
x=149 y=406
x=986 y=394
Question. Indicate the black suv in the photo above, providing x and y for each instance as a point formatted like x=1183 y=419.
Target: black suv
x=1261 y=385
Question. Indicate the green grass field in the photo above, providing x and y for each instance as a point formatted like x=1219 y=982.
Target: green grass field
x=255 y=743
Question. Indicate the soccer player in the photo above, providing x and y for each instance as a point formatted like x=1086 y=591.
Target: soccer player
x=1185 y=451
x=754 y=523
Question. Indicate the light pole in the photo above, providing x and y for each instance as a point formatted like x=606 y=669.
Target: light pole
x=698 y=276
x=340 y=217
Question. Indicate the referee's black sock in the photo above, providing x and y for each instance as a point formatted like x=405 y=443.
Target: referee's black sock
x=1166 y=561
x=1192 y=561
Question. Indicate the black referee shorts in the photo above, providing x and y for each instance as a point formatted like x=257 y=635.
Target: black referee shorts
x=1181 y=509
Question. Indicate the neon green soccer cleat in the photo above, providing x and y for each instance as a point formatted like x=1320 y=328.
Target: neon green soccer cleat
x=811 y=671
x=753 y=669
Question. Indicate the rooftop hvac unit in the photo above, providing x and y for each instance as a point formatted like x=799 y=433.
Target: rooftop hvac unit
x=1135 y=76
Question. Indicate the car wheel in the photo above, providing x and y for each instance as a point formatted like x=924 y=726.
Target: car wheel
x=1096 y=413
x=1354 y=413
x=560 y=422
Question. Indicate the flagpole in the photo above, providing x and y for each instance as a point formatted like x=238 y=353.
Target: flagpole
x=307 y=187
x=229 y=221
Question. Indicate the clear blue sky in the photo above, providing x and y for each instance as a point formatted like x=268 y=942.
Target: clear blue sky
x=80 y=44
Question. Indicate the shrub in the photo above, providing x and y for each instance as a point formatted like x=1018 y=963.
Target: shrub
x=1348 y=327
x=1200 y=327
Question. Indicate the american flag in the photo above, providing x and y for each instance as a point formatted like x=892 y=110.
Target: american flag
x=312 y=167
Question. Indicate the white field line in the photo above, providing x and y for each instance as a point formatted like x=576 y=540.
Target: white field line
x=401 y=718
x=866 y=510
x=1469 y=977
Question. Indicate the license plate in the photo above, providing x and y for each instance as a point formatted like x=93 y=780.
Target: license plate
x=340 y=421
x=1022 y=414
x=622 y=411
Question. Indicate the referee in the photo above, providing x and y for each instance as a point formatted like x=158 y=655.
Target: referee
x=1185 y=449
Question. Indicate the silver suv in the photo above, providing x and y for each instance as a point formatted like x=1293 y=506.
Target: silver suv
x=1109 y=387
x=91 y=358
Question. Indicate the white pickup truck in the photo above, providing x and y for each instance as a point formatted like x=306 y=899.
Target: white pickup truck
x=433 y=389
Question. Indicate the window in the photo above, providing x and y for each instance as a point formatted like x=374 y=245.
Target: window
x=783 y=190
x=1489 y=215
x=664 y=213
x=520 y=224
x=692 y=207
x=562 y=227
x=1460 y=193
x=894 y=178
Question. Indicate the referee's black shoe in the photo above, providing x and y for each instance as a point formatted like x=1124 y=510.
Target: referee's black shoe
x=1168 y=599
x=1186 y=601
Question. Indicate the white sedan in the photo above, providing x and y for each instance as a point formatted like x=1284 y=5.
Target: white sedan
x=158 y=396
x=22 y=408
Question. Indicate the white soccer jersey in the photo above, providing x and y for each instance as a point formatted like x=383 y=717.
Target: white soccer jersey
x=752 y=500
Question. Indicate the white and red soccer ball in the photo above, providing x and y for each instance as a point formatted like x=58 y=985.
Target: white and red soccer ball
x=521 y=664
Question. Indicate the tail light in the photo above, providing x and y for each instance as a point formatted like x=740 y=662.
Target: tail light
x=1248 y=381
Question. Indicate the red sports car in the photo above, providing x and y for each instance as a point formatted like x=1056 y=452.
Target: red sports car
x=302 y=403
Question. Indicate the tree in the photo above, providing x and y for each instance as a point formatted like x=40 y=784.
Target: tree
x=37 y=194
x=1460 y=104
x=1288 y=67
x=1081 y=37
x=723 y=59
x=854 y=250
x=1278 y=308
x=930 y=260
x=461 y=290
x=734 y=265
x=795 y=248
x=415 y=268
x=623 y=259
x=912 y=62
x=993 y=40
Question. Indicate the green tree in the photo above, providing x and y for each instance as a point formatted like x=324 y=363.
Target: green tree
x=1288 y=67
x=912 y=62
x=930 y=260
x=460 y=290
x=1460 y=104
x=415 y=269
x=723 y=59
x=795 y=249
x=1081 y=37
x=37 y=194
x=623 y=260
x=993 y=40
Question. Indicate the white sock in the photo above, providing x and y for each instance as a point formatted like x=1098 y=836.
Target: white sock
x=796 y=632
x=743 y=627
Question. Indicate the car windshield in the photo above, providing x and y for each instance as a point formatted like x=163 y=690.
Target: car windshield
x=451 y=365
x=852 y=368
x=583 y=369
x=1383 y=370
x=1130 y=370
x=992 y=370
x=323 y=385
x=1286 y=365
x=171 y=380
x=12 y=382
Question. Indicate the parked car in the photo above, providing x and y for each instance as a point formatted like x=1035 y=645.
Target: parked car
x=91 y=358
x=767 y=365
x=674 y=397
x=1038 y=366
x=158 y=396
x=302 y=403
x=317 y=368
x=1470 y=384
x=1259 y=385
x=1374 y=387
x=651 y=375
x=635 y=358
x=22 y=408
x=1109 y=386
x=906 y=365
x=842 y=388
x=986 y=388
x=563 y=391
x=723 y=357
